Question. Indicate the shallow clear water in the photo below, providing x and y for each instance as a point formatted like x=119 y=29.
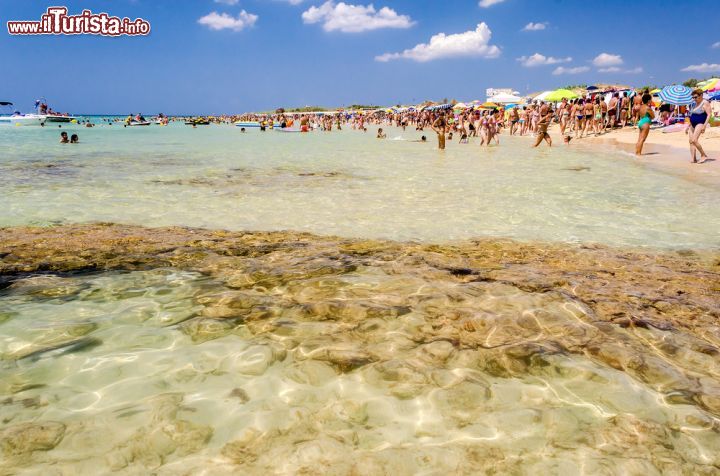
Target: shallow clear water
x=170 y=371
x=348 y=184
x=130 y=384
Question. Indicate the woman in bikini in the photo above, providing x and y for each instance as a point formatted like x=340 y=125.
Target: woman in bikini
x=484 y=132
x=564 y=112
x=523 y=121
x=646 y=115
x=700 y=114
x=589 y=115
x=579 y=115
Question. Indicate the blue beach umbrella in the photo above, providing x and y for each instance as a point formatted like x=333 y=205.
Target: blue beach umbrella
x=714 y=96
x=677 y=95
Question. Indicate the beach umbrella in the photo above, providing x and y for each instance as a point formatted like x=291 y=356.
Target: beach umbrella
x=655 y=91
x=542 y=96
x=559 y=94
x=460 y=105
x=677 y=95
x=592 y=88
x=710 y=85
x=504 y=98
x=488 y=105
x=714 y=96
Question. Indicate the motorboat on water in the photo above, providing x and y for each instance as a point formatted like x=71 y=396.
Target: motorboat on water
x=197 y=121
x=42 y=116
x=18 y=119
x=136 y=121
x=60 y=118
x=42 y=108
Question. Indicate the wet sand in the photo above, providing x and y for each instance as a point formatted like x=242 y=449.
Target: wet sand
x=667 y=152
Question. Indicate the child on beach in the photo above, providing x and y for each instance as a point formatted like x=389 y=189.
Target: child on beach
x=74 y=139
x=463 y=138
x=64 y=138
x=381 y=134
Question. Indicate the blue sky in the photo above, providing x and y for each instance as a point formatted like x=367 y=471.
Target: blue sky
x=312 y=52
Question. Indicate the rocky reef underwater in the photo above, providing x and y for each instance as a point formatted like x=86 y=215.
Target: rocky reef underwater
x=190 y=351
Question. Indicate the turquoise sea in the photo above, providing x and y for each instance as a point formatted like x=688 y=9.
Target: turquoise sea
x=349 y=184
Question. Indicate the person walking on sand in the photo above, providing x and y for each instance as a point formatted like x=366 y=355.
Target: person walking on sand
x=700 y=115
x=646 y=115
x=440 y=126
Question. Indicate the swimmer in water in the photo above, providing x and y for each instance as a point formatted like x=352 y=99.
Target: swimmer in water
x=74 y=139
x=381 y=134
x=422 y=139
x=64 y=138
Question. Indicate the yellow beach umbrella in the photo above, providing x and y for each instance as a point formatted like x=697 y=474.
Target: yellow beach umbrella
x=559 y=94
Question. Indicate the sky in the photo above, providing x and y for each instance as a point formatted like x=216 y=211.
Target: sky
x=232 y=56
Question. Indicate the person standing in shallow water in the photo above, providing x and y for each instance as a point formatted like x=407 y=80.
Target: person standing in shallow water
x=439 y=126
x=542 y=126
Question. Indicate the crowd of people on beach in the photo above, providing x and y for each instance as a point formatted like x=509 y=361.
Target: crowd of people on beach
x=592 y=114
x=589 y=115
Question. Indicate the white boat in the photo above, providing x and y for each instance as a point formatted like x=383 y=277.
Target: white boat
x=18 y=119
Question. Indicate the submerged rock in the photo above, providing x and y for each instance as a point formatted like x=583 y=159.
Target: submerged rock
x=377 y=357
x=25 y=438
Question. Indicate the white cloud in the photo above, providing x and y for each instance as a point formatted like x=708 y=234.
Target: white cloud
x=716 y=45
x=489 y=3
x=562 y=70
x=615 y=69
x=471 y=43
x=535 y=26
x=703 y=68
x=354 y=18
x=541 y=60
x=222 y=21
x=228 y=2
x=603 y=60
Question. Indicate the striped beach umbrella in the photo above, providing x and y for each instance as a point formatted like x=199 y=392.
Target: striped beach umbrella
x=677 y=95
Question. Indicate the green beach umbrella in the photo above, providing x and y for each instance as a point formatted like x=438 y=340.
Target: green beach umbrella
x=559 y=94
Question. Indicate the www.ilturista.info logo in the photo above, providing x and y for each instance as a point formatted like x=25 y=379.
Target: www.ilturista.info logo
x=57 y=22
